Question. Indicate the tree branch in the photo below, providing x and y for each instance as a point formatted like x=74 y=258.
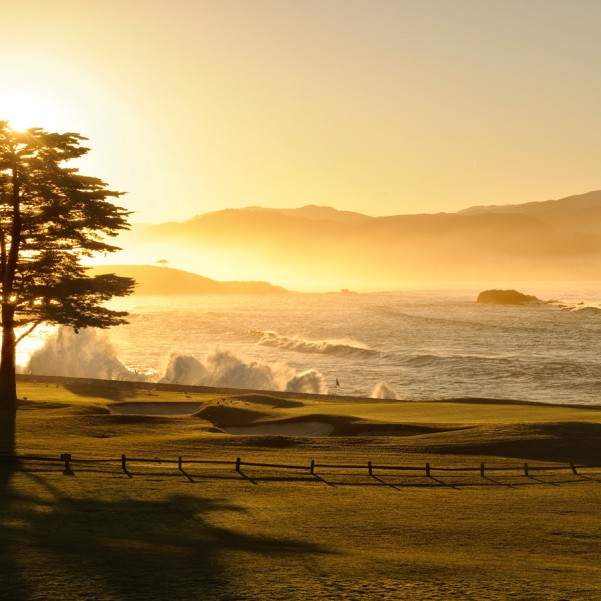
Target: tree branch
x=29 y=331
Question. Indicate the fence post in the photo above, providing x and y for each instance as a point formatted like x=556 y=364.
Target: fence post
x=482 y=470
x=179 y=463
x=66 y=457
x=369 y=468
x=312 y=472
x=573 y=468
x=428 y=470
x=525 y=469
x=238 y=460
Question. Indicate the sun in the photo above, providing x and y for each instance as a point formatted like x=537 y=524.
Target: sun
x=25 y=108
x=44 y=90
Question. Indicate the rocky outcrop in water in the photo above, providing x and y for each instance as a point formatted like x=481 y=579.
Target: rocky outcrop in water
x=505 y=297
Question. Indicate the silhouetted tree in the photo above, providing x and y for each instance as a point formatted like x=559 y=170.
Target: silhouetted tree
x=51 y=217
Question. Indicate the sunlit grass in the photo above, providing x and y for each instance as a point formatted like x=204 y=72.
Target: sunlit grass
x=213 y=533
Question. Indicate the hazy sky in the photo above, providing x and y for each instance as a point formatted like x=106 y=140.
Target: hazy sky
x=377 y=106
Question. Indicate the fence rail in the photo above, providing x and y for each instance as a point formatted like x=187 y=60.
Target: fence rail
x=67 y=461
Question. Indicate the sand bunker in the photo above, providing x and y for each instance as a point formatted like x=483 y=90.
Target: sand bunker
x=246 y=420
x=286 y=429
x=154 y=408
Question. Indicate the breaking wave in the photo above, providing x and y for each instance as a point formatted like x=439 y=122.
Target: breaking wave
x=383 y=390
x=299 y=345
x=585 y=310
x=90 y=354
x=223 y=369
x=460 y=361
x=309 y=381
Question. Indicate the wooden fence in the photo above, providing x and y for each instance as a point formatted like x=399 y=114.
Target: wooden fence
x=67 y=463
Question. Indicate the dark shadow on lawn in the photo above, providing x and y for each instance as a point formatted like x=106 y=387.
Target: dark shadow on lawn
x=247 y=477
x=57 y=546
x=186 y=475
x=321 y=479
x=384 y=482
x=535 y=479
x=443 y=483
x=8 y=465
x=497 y=482
x=111 y=393
x=8 y=432
x=561 y=442
x=588 y=478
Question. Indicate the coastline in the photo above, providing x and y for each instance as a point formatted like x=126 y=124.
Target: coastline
x=187 y=388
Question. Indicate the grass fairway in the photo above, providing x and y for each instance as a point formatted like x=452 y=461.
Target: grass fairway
x=214 y=533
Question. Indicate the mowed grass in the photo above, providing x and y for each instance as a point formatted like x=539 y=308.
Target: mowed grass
x=213 y=533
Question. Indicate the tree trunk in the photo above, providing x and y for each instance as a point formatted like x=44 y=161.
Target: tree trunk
x=8 y=351
x=8 y=384
x=8 y=359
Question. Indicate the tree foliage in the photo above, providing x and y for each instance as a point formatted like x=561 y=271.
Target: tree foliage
x=52 y=217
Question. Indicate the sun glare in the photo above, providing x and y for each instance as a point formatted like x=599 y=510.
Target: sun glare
x=25 y=109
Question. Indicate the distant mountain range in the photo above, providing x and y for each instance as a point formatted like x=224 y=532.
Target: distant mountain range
x=152 y=280
x=555 y=239
x=318 y=213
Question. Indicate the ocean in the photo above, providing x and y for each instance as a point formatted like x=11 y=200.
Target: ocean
x=414 y=345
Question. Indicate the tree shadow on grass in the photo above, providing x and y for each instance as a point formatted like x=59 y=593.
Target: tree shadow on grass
x=56 y=546
x=8 y=464
x=8 y=433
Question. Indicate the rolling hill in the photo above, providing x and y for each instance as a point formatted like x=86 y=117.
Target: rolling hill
x=551 y=240
x=152 y=280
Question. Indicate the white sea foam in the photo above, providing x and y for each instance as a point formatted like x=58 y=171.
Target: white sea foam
x=88 y=354
x=222 y=368
x=383 y=390
x=310 y=381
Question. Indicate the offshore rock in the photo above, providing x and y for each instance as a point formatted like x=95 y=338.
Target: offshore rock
x=505 y=297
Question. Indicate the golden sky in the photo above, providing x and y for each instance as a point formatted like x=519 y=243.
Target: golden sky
x=379 y=106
